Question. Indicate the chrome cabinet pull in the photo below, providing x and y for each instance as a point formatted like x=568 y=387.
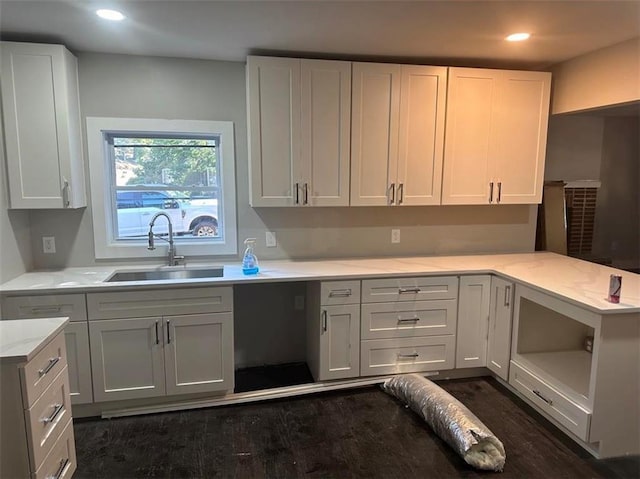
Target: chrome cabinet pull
x=408 y=290
x=393 y=193
x=400 y=193
x=61 y=468
x=168 y=332
x=66 y=193
x=52 y=362
x=57 y=408
x=499 y=190
x=537 y=393
x=46 y=309
x=306 y=194
x=157 y=337
x=507 y=296
x=297 y=200
x=408 y=320
x=339 y=293
x=408 y=356
x=324 y=320
x=491 y=192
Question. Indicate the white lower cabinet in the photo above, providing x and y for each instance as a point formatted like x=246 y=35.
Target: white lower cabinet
x=408 y=325
x=76 y=333
x=161 y=354
x=499 y=340
x=473 y=321
x=333 y=330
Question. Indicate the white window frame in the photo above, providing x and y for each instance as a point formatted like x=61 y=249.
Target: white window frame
x=106 y=246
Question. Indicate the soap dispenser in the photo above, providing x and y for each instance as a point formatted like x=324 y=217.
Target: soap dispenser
x=249 y=260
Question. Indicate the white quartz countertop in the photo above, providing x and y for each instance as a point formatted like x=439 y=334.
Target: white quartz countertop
x=579 y=282
x=22 y=339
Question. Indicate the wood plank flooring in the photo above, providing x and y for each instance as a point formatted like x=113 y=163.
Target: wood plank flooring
x=353 y=433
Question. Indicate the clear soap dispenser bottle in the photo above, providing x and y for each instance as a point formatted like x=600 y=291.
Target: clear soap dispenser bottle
x=249 y=260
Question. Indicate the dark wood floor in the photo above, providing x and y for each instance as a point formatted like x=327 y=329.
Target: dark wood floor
x=354 y=433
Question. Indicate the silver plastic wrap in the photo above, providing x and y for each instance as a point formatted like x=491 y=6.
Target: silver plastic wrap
x=450 y=420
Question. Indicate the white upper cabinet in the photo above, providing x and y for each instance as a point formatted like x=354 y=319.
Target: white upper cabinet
x=496 y=136
x=299 y=142
x=397 y=134
x=41 y=116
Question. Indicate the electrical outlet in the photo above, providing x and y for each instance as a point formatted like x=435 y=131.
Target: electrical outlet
x=395 y=236
x=298 y=303
x=48 y=244
x=270 y=238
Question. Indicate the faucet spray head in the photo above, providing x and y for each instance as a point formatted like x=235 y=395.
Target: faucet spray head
x=151 y=243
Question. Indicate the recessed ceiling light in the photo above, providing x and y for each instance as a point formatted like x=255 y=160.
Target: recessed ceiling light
x=517 y=37
x=114 y=15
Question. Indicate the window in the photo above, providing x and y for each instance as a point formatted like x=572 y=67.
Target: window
x=183 y=169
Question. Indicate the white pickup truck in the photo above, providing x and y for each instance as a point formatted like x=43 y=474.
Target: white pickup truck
x=136 y=208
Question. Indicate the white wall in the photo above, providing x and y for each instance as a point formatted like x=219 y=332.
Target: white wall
x=15 y=245
x=617 y=227
x=605 y=77
x=131 y=86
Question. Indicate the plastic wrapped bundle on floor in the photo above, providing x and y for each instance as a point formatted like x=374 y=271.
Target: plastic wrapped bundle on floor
x=450 y=420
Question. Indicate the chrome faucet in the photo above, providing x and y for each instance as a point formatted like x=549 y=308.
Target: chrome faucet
x=173 y=258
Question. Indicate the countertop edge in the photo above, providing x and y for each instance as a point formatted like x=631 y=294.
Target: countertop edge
x=51 y=334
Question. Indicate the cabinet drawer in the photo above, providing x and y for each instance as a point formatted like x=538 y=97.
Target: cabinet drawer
x=339 y=292
x=40 y=372
x=45 y=306
x=46 y=419
x=408 y=319
x=140 y=304
x=61 y=461
x=406 y=355
x=566 y=412
x=409 y=289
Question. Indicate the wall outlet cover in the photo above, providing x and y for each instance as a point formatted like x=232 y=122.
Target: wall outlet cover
x=395 y=236
x=270 y=239
x=48 y=244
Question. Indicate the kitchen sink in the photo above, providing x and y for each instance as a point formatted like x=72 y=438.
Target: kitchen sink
x=158 y=274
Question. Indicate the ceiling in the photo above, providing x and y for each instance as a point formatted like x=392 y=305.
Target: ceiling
x=455 y=32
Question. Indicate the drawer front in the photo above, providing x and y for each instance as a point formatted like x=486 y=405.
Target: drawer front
x=46 y=306
x=47 y=417
x=40 y=372
x=408 y=319
x=140 y=304
x=406 y=355
x=409 y=289
x=566 y=412
x=339 y=292
x=61 y=462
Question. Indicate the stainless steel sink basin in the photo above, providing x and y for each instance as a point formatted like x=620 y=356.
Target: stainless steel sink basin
x=158 y=274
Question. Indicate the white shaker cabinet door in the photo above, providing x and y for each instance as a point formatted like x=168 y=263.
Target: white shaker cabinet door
x=273 y=104
x=421 y=135
x=339 y=342
x=41 y=116
x=375 y=114
x=198 y=353
x=499 y=346
x=522 y=119
x=127 y=358
x=473 y=321
x=326 y=133
x=76 y=337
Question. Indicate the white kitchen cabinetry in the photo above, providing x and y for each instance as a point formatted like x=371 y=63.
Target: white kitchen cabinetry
x=496 y=136
x=408 y=325
x=76 y=333
x=299 y=139
x=499 y=339
x=397 y=132
x=36 y=438
x=41 y=116
x=141 y=348
x=591 y=394
x=333 y=329
x=473 y=321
